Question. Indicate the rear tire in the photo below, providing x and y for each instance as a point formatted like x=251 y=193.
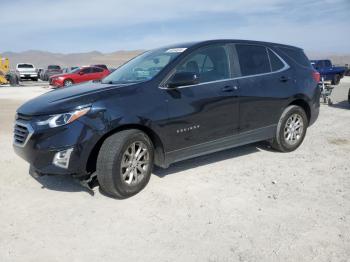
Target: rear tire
x=291 y=129
x=118 y=167
x=336 y=80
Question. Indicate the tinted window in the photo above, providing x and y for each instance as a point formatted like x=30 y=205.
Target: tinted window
x=87 y=70
x=297 y=55
x=210 y=64
x=253 y=59
x=97 y=70
x=276 y=63
x=102 y=66
x=54 y=67
x=25 y=66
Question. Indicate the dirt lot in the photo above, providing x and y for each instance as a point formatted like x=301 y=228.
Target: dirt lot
x=244 y=204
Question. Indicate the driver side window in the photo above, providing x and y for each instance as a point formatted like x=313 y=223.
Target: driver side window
x=209 y=64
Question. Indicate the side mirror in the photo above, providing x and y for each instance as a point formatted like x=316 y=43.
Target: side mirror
x=183 y=79
x=81 y=73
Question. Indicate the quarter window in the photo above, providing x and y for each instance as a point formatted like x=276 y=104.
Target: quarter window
x=276 y=63
x=297 y=55
x=253 y=59
x=210 y=64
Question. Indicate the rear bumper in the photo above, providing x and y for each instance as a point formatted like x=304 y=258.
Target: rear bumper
x=315 y=106
x=314 y=115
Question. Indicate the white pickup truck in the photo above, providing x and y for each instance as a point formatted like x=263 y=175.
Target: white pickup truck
x=27 y=71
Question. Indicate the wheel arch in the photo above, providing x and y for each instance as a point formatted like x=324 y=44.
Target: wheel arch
x=304 y=105
x=68 y=78
x=157 y=143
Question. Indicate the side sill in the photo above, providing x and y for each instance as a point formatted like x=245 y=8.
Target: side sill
x=248 y=137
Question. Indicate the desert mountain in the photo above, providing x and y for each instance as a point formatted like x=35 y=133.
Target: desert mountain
x=41 y=59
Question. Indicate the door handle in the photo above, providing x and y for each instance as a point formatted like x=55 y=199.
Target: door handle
x=284 y=78
x=229 y=88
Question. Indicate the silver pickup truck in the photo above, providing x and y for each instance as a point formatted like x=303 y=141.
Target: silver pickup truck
x=27 y=71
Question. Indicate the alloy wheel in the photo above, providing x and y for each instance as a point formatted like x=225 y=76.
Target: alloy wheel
x=293 y=129
x=135 y=163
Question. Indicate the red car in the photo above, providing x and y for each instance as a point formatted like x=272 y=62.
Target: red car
x=79 y=75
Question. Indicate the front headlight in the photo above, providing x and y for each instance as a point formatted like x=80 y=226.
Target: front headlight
x=64 y=119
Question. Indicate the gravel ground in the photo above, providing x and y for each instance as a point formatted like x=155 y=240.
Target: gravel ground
x=243 y=204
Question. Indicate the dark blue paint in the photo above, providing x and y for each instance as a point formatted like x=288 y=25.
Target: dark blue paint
x=217 y=108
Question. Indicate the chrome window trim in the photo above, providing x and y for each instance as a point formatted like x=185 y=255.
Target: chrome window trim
x=284 y=68
x=30 y=133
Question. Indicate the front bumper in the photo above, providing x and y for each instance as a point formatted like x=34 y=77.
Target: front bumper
x=28 y=75
x=55 y=82
x=42 y=146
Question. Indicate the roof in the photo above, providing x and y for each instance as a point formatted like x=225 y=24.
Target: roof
x=206 y=42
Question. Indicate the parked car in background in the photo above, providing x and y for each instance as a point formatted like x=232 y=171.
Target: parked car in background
x=167 y=105
x=50 y=71
x=101 y=65
x=27 y=71
x=78 y=75
x=347 y=69
x=329 y=72
x=40 y=70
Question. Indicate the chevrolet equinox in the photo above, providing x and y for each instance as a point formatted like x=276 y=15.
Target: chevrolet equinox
x=167 y=105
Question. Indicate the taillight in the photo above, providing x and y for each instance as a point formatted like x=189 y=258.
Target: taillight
x=316 y=76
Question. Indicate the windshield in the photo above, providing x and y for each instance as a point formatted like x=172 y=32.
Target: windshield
x=74 y=70
x=143 y=67
x=25 y=66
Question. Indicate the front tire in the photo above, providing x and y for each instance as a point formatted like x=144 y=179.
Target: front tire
x=291 y=129
x=68 y=82
x=125 y=163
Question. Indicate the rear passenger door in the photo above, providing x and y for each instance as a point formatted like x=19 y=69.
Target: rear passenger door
x=265 y=85
x=97 y=73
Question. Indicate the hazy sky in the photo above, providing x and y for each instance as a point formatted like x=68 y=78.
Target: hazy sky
x=109 y=25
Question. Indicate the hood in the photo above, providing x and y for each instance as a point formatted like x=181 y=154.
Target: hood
x=67 y=98
x=26 y=70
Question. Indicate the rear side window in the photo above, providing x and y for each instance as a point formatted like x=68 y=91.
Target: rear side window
x=253 y=59
x=276 y=63
x=297 y=55
x=87 y=70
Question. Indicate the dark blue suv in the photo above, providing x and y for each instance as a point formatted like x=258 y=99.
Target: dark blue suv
x=167 y=105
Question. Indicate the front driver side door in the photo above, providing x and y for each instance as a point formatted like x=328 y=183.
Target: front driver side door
x=206 y=111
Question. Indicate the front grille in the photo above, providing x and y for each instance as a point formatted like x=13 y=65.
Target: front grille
x=22 y=133
x=22 y=117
